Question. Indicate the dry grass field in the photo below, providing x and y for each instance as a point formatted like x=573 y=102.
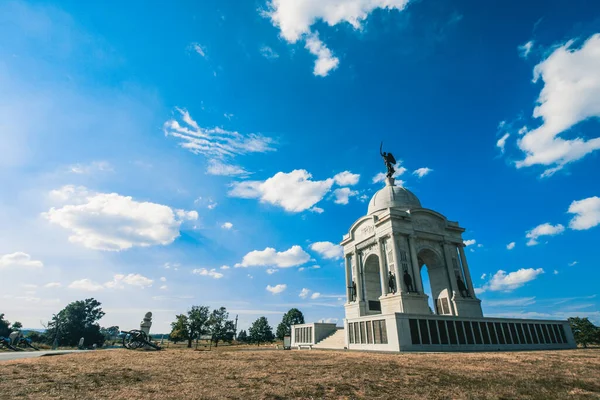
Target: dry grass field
x=266 y=374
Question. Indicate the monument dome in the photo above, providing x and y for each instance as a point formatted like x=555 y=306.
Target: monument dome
x=392 y=196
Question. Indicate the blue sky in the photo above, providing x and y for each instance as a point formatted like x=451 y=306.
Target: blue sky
x=144 y=147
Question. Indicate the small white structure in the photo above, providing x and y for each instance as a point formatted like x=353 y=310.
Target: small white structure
x=146 y=323
x=386 y=254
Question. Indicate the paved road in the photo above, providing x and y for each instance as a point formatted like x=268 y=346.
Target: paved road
x=17 y=355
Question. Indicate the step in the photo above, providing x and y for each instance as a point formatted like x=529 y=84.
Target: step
x=337 y=340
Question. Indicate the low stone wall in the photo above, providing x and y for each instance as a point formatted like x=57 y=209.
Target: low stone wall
x=406 y=332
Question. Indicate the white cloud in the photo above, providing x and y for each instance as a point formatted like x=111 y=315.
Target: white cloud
x=163 y=279
x=294 y=191
x=346 y=178
x=329 y=320
x=292 y=257
x=503 y=282
x=304 y=293
x=525 y=49
x=315 y=295
x=271 y=271
x=268 y=53
x=555 y=272
x=483 y=276
x=227 y=225
x=277 y=288
x=198 y=49
x=571 y=94
x=519 y=302
x=469 y=242
x=317 y=210
x=174 y=266
x=95 y=166
x=120 y=280
x=295 y=18
x=421 y=172
x=502 y=142
x=205 y=272
x=543 y=230
x=163 y=287
x=52 y=285
x=326 y=61
x=109 y=221
x=327 y=249
x=216 y=142
x=587 y=213
x=400 y=170
x=86 y=285
x=219 y=168
x=511 y=245
x=19 y=260
x=572 y=264
x=224 y=267
x=342 y=195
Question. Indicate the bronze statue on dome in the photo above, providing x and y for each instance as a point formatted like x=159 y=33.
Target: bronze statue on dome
x=389 y=161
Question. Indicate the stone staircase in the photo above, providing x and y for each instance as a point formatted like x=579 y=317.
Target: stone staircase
x=335 y=341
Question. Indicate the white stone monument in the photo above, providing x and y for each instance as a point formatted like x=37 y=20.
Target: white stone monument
x=386 y=254
x=146 y=323
x=81 y=342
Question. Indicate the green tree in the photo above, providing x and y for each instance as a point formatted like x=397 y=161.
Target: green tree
x=78 y=319
x=110 y=333
x=242 y=336
x=191 y=326
x=4 y=327
x=261 y=332
x=292 y=317
x=220 y=327
x=584 y=331
x=16 y=326
x=179 y=330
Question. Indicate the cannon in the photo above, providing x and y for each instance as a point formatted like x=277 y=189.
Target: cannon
x=26 y=342
x=5 y=343
x=137 y=339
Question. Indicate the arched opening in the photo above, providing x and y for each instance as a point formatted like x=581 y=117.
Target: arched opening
x=372 y=284
x=437 y=277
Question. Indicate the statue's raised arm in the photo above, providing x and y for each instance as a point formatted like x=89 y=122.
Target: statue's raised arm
x=389 y=161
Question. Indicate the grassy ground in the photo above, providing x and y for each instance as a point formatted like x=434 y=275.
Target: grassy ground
x=188 y=374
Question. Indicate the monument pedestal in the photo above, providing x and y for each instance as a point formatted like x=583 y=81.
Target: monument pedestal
x=467 y=307
x=414 y=303
x=355 y=309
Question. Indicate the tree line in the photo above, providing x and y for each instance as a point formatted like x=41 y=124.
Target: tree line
x=80 y=319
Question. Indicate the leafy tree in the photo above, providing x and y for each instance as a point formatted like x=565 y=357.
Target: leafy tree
x=292 y=317
x=584 y=331
x=242 y=336
x=220 y=327
x=110 y=333
x=78 y=319
x=261 y=332
x=191 y=326
x=4 y=327
x=179 y=330
x=16 y=326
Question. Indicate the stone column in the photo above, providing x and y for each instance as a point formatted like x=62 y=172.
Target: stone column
x=466 y=272
x=396 y=253
x=382 y=268
x=450 y=268
x=415 y=264
x=348 y=278
x=357 y=277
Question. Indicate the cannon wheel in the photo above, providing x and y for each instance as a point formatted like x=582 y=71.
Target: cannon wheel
x=134 y=339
